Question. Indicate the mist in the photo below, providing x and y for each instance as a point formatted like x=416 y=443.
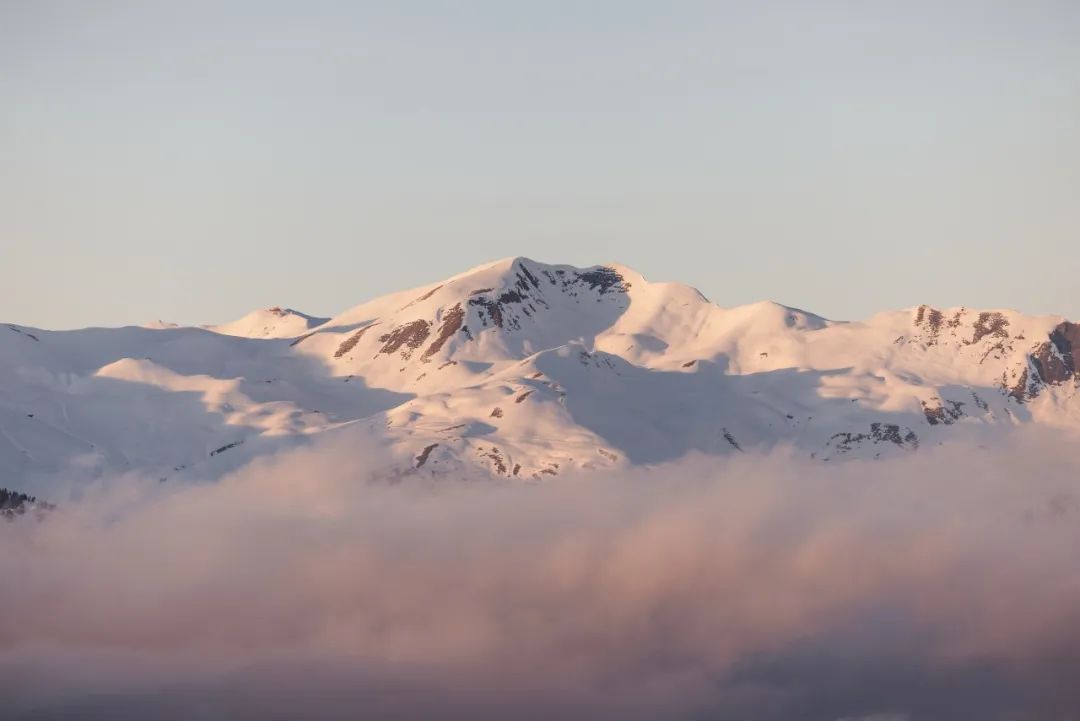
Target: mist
x=944 y=585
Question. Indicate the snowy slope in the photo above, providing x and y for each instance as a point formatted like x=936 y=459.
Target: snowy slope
x=269 y=323
x=523 y=370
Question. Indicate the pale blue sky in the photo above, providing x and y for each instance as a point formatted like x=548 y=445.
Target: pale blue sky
x=192 y=160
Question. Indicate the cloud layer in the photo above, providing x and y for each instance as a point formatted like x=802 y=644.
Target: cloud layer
x=941 y=586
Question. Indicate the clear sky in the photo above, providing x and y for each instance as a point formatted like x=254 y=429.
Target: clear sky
x=191 y=161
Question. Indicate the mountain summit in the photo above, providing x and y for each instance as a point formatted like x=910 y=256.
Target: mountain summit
x=273 y=322
x=522 y=369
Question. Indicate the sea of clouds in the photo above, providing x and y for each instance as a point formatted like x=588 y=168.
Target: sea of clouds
x=944 y=585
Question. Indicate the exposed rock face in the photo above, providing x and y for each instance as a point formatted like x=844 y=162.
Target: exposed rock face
x=943 y=412
x=489 y=309
x=989 y=329
x=1027 y=372
x=1056 y=361
x=523 y=293
x=604 y=280
x=1023 y=389
x=498 y=463
x=526 y=297
x=730 y=439
x=226 y=447
x=424 y=454
x=990 y=324
x=24 y=333
x=427 y=295
x=452 y=322
x=347 y=345
x=1051 y=363
x=406 y=338
x=930 y=320
x=879 y=433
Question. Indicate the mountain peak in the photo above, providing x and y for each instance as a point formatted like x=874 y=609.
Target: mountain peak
x=506 y=309
x=529 y=369
x=272 y=322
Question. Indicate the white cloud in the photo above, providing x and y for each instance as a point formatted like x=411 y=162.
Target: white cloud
x=939 y=586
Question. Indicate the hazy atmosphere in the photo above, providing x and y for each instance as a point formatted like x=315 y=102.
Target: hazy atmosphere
x=844 y=157
x=591 y=361
x=750 y=589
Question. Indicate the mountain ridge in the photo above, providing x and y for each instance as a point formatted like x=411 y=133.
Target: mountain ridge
x=522 y=369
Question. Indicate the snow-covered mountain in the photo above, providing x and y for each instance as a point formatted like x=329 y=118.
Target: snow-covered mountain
x=273 y=322
x=523 y=370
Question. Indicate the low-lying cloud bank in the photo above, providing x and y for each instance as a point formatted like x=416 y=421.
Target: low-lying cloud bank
x=941 y=586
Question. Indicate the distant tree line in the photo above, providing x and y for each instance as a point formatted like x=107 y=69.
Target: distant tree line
x=13 y=503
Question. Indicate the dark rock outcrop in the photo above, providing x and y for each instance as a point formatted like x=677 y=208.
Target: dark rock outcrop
x=452 y=321
x=942 y=412
x=29 y=335
x=879 y=433
x=994 y=325
x=423 y=457
x=1051 y=363
x=349 y=343
x=408 y=337
x=1056 y=361
x=930 y=320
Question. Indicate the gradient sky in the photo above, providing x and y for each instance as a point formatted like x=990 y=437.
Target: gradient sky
x=193 y=160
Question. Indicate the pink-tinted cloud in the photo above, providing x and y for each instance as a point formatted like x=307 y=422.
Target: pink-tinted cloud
x=940 y=586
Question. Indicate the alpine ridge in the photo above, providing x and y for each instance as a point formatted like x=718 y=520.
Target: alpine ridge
x=523 y=370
